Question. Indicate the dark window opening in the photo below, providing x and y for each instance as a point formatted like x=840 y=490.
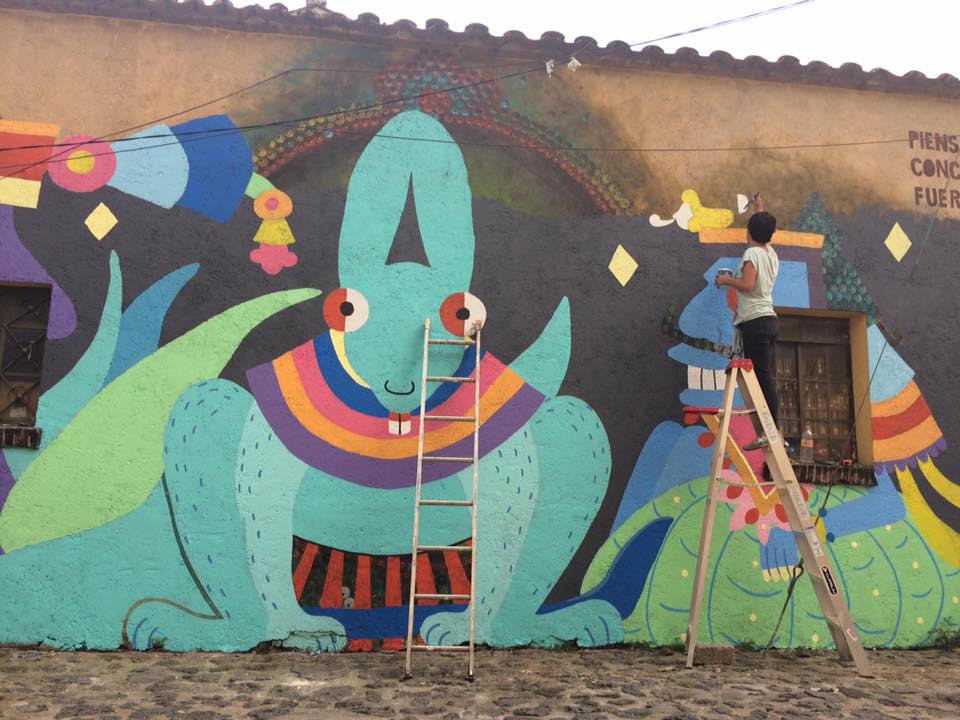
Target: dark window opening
x=24 y=312
x=815 y=385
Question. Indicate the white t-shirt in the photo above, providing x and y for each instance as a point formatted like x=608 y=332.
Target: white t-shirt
x=759 y=301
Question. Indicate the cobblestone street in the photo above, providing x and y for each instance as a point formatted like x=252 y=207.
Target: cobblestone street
x=618 y=683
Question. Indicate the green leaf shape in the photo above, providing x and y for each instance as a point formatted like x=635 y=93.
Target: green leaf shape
x=899 y=593
x=109 y=458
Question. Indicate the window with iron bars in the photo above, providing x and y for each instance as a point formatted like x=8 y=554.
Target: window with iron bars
x=24 y=312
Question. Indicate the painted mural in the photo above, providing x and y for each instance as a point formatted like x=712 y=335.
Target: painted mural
x=230 y=408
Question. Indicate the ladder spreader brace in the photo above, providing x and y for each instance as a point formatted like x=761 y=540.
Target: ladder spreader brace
x=825 y=581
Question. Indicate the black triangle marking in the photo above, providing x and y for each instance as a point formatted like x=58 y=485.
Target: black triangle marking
x=407 y=243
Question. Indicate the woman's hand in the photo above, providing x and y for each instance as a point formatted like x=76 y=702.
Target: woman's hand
x=721 y=279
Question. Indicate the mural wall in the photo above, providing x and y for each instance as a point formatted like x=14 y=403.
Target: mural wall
x=230 y=408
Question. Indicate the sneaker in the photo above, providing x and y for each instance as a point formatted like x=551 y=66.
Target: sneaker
x=760 y=441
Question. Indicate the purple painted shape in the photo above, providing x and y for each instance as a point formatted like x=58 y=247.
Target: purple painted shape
x=911 y=462
x=18 y=265
x=6 y=483
x=377 y=472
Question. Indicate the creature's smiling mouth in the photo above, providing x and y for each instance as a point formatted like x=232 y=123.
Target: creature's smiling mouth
x=386 y=386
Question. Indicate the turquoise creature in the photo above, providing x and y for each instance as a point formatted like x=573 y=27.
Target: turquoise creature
x=324 y=446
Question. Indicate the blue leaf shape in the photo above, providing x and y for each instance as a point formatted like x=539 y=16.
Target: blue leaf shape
x=142 y=321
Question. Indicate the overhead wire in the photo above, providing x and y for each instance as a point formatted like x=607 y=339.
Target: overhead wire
x=289 y=71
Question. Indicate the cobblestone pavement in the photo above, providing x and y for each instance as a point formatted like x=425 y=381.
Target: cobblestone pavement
x=615 y=683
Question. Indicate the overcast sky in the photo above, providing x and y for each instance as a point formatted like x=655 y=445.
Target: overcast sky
x=892 y=34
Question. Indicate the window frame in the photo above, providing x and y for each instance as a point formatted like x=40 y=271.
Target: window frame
x=9 y=379
x=859 y=374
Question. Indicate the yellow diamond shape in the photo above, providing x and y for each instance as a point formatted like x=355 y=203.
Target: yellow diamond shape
x=622 y=265
x=100 y=221
x=897 y=242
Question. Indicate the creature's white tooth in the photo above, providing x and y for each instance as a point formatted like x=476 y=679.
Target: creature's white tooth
x=707 y=380
x=693 y=378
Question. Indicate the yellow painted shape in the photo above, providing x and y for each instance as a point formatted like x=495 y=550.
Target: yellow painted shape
x=101 y=221
x=738 y=236
x=622 y=265
x=939 y=482
x=497 y=395
x=764 y=500
x=274 y=232
x=705 y=217
x=937 y=533
x=897 y=242
x=336 y=339
x=28 y=128
x=19 y=192
x=909 y=443
x=81 y=162
x=898 y=403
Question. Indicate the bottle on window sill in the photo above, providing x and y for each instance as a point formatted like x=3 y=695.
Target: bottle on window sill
x=806 y=444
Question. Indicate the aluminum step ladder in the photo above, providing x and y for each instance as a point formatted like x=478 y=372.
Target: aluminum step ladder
x=825 y=581
x=472 y=340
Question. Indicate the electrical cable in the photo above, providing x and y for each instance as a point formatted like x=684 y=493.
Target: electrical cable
x=355 y=70
x=206 y=134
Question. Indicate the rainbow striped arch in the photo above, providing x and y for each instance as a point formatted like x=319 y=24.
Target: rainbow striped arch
x=333 y=423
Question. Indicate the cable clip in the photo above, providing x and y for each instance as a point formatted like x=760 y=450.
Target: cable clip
x=573 y=64
x=550 y=64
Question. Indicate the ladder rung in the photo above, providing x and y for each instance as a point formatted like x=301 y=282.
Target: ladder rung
x=448 y=458
x=443 y=379
x=450 y=503
x=440 y=596
x=445 y=548
x=442 y=648
x=438 y=341
x=451 y=418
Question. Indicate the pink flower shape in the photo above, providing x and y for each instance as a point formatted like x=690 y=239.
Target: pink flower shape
x=747 y=513
x=273 y=258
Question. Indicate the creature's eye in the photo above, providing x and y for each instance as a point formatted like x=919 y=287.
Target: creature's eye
x=345 y=310
x=460 y=311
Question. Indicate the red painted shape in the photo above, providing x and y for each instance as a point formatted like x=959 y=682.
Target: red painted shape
x=332 y=596
x=733 y=492
x=360 y=646
x=744 y=364
x=392 y=596
x=425 y=582
x=361 y=590
x=893 y=425
x=781 y=512
x=732 y=299
x=705 y=439
x=459 y=582
x=752 y=516
x=304 y=567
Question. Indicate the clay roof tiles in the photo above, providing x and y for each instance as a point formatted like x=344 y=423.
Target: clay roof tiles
x=511 y=46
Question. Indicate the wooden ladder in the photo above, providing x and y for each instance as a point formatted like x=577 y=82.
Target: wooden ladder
x=474 y=340
x=825 y=581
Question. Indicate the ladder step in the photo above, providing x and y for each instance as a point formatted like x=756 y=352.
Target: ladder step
x=445 y=548
x=448 y=503
x=447 y=458
x=440 y=596
x=443 y=379
x=442 y=648
x=450 y=418
x=438 y=341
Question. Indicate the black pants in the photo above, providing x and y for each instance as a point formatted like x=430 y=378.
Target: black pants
x=759 y=336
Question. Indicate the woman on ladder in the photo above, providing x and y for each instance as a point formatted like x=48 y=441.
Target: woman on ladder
x=755 y=321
